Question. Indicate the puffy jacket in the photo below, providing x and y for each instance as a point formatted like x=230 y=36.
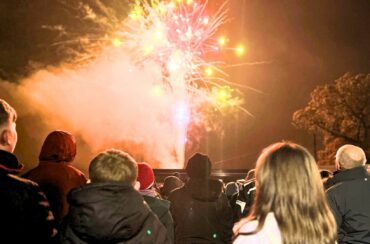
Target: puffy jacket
x=201 y=212
x=55 y=174
x=25 y=215
x=161 y=208
x=110 y=213
x=349 y=200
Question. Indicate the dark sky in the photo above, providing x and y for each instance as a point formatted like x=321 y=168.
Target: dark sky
x=304 y=44
x=307 y=43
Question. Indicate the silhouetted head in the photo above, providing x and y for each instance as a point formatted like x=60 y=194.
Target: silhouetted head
x=170 y=183
x=199 y=166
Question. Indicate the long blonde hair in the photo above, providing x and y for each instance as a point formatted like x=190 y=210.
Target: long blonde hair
x=289 y=185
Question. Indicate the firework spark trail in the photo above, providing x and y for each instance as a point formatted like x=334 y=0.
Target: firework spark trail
x=178 y=38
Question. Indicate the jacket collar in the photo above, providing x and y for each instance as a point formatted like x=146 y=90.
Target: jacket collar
x=350 y=174
x=9 y=163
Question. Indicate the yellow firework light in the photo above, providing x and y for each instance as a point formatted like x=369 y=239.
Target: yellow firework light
x=148 y=49
x=208 y=71
x=189 y=2
x=224 y=93
x=136 y=13
x=222 y=41
x=157 y=90
x=116 y=42
x=240 y=50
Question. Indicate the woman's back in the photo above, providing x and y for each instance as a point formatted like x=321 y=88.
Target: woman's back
x=269 y=234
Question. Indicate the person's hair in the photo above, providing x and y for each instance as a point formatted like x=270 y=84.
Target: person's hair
x=349 y=156
x=7 y=113
x=113 y=165
x=289 y=185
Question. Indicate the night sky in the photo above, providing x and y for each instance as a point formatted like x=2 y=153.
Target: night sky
x=300 y=44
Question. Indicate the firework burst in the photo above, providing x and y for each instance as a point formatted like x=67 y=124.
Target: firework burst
x=170 y=47
x=178 y=36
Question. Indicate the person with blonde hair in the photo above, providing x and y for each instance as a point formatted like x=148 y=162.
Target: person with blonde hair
x=290 y=204
x=25 y=215
x=110 y=208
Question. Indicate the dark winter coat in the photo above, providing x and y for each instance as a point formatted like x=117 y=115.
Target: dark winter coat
x=110 y=213
x=349 y=200
x=25 y=215
x=55 y=174
x=161 y=208
x=201 y=213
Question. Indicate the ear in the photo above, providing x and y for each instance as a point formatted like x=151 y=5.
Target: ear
x=337 y=165
x=137 y=185
x=4 y=137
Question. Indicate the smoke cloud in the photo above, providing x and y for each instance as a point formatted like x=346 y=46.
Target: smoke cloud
x=109 y=103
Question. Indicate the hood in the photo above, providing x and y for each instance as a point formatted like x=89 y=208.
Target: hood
x=111 y=212
x=59 y=146
x=159 y=206
x=207 y=190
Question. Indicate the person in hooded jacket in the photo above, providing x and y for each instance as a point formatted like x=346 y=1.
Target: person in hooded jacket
x=159 y=206
x=25 y=215
x=55 y=173
x=110 y=208
x=200 y=209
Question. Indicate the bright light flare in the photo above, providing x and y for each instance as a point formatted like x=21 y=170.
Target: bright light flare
x=208 y=71
x=240 y=50
x=117 y=42
x=158 y=91
x=222 y=40
x=182 y=114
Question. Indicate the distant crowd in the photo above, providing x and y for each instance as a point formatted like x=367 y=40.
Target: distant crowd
x=285 y=199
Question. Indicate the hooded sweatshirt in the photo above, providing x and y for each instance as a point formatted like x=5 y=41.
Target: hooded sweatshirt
x=201 y=212
x=110 y=212
x=55 y=174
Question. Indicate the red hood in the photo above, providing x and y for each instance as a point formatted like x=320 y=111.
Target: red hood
x=59 y=146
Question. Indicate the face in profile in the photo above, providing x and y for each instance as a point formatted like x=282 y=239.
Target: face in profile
x=9 y=136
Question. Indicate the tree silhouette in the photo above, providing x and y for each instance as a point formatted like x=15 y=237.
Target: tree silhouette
x=340 y=113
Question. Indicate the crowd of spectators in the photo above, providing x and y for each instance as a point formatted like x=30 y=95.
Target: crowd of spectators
x=285 y=199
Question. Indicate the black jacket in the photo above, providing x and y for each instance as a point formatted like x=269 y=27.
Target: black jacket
x=110 y=212
x=201 y=213
x=349 y=199
x=161 y=208
x=25 y=215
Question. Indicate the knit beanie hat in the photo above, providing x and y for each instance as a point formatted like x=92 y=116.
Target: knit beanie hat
x=145 y=175
x=171 y=183
x=199 y=166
